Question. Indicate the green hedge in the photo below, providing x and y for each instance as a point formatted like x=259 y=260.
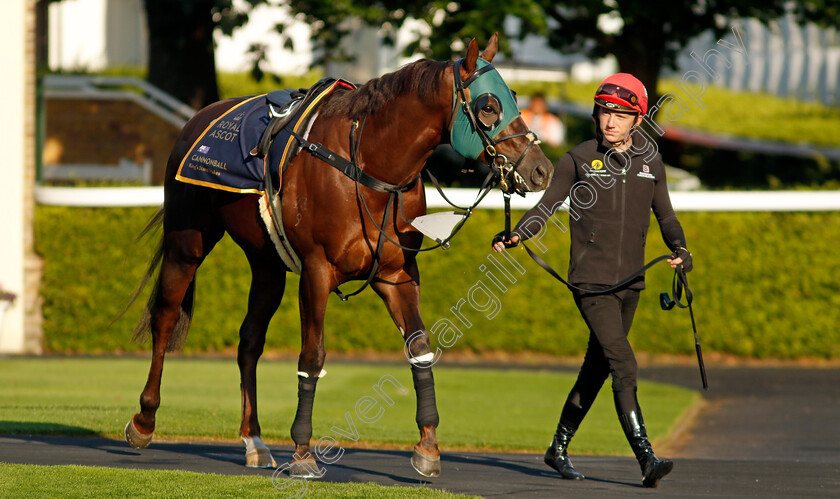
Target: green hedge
x=765 y=283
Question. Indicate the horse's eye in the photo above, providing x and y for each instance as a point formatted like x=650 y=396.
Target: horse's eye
x=488 y=110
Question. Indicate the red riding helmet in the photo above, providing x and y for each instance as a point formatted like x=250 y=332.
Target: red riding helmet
x=622 y=92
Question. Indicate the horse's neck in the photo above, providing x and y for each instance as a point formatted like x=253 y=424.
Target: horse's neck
x=405 y=136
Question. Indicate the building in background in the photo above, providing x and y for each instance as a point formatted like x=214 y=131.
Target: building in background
x=91 y=35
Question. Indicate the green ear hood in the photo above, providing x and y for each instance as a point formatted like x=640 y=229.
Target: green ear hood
x=465 y=139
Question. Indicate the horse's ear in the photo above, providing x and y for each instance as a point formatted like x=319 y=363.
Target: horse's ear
x=468 y=66
x=492 y=46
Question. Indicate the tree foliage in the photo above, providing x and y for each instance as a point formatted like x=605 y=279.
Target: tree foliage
x=449 y=24
x=644 y=36
x=181 y=45
x=649 y=34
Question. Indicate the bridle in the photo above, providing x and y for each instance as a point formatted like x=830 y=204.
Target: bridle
x=498 y=163
x=502 y=171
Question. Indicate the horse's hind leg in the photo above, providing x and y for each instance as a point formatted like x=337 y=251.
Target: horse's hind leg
x=183 y=252
x=401 y=294
x=268 y=281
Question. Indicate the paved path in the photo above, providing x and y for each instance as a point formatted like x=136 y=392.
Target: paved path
x=764 y=432
x=766 y=414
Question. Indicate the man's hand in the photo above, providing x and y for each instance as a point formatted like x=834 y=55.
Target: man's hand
x=500 y=243
x=683 y=258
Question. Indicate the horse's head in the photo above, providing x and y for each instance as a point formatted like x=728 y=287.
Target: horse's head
x=486 y=124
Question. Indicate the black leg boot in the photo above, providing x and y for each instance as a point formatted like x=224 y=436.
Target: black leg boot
x=556 y=455
x=653 y=468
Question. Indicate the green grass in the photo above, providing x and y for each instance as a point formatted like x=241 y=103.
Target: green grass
x=758 y=115
x=23 y=481
x=479 y=408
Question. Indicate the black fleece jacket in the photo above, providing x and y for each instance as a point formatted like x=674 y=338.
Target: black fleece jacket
x=612 y=194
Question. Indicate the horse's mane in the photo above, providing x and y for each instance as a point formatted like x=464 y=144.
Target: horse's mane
x=423 y=77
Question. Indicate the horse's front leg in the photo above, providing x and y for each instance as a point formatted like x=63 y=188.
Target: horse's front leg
x=315 y=286
x=401 y=294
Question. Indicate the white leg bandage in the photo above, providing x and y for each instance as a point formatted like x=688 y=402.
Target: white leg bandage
x=426 y=357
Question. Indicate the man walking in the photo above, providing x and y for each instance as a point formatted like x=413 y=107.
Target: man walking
x=619 y=178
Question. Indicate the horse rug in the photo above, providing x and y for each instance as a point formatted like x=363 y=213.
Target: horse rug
x=224 y=156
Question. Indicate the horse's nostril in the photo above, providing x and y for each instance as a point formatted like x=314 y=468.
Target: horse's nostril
x=537 y=176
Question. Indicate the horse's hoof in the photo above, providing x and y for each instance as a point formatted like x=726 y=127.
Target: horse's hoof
x=259 y=458
x=257 y=454
x=135 y=438
x=304 y=468
x=424 y=464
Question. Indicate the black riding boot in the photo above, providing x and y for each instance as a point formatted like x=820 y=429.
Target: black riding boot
x=556 y=455
x=653 y=468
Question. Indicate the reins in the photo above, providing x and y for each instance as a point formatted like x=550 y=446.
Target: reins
x=601 y=291
x=395 y=191
x=350 y=168
x=679 y=283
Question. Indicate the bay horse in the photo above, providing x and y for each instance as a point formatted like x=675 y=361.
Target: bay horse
x=335 y=232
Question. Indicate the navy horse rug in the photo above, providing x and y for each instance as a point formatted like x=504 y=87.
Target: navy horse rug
x=225 y=156
x=252 y=143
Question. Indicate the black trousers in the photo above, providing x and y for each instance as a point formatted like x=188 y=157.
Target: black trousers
x=609 y=318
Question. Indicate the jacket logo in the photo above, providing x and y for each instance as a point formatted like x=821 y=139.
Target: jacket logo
x=596 y=169
x=645 y=173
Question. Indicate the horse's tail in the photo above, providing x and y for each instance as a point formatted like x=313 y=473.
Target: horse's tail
x=142 y=330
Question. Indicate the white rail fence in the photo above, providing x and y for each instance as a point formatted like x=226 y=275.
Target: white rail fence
x=682 y=200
